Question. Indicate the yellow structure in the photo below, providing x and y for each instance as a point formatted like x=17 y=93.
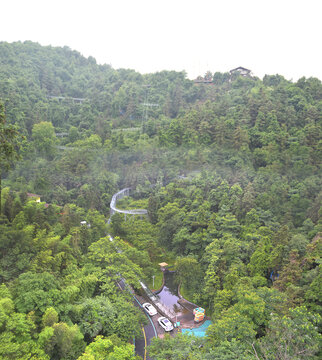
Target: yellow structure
x=34 y=197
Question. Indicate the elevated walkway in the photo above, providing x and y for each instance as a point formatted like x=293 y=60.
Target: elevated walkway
x=68 y=98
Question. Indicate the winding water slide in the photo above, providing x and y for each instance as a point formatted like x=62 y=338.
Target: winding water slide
x=149 y=331
x=163 y=309
x=120 y=195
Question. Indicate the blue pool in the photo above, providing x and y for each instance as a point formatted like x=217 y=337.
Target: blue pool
x=200 y=331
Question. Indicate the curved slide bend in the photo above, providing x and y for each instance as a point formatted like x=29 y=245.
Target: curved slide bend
x=120 y=195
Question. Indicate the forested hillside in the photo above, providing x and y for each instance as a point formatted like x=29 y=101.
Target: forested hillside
x=230 y=172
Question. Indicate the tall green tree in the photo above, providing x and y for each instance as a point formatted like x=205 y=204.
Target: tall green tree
x=44 y=137
x=104 y=349
x=295 y=337
x=9 y=141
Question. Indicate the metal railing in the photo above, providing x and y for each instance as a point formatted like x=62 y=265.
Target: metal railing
x=157 y=302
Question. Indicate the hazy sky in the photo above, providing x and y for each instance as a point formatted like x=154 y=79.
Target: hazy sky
x=268 y=37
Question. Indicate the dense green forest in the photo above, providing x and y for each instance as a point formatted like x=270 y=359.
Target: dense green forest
x=230 y=173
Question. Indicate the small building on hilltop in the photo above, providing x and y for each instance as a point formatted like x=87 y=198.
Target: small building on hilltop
x=203 y=80
x=33 y=197
x=241 y=71
x=36 y=198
